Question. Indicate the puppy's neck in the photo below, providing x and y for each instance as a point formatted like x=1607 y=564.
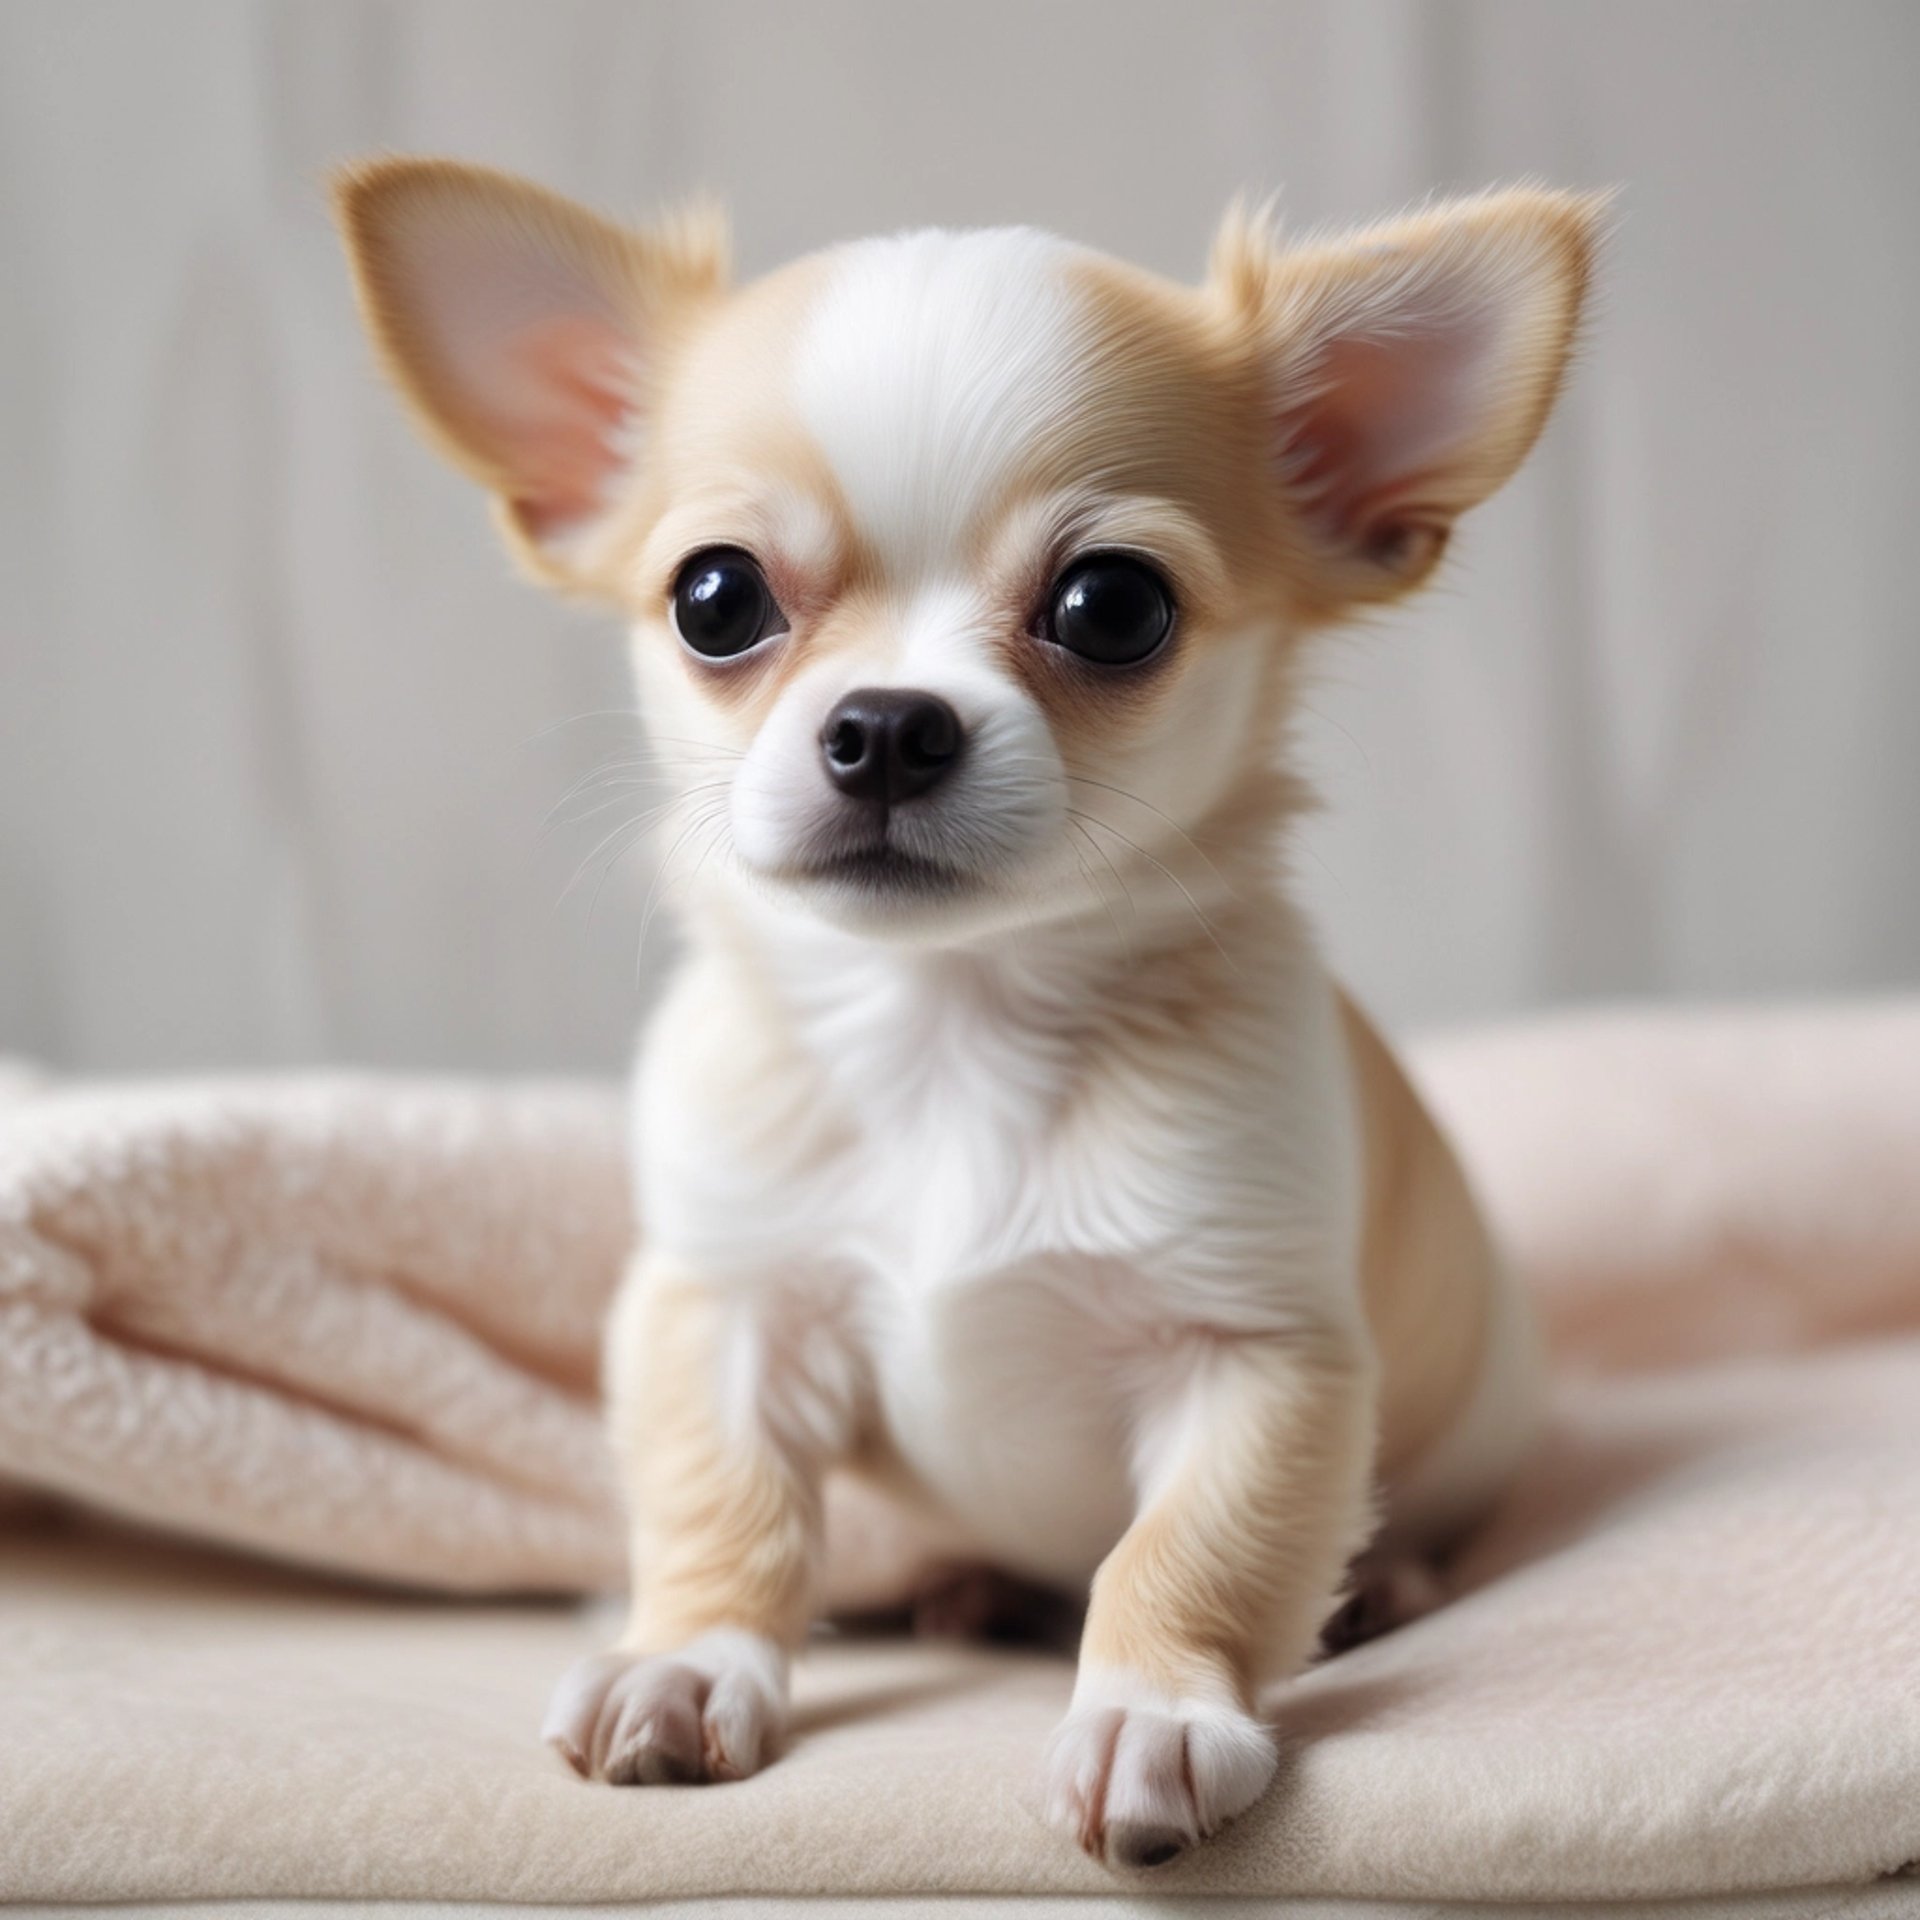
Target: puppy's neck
x=1175 y=938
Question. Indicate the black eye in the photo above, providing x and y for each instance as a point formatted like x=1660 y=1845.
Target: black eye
x=721 y=605
x=1109 y=609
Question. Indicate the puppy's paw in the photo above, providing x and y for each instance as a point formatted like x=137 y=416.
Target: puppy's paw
x=1136 y=1777
x=712 y=1711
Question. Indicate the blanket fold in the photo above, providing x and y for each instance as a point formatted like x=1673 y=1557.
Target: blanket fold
x=353 y=1321
x=342 y=1321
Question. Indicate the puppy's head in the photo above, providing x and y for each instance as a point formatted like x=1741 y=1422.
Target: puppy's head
x=965 y=567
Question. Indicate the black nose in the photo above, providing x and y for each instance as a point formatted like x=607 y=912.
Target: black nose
x=889 y=743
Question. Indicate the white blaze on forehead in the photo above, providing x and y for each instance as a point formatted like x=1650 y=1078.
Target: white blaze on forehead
x=929 y=368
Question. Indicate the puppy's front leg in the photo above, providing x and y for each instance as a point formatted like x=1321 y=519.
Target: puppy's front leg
x=1254 y=1488
x=724 y=1498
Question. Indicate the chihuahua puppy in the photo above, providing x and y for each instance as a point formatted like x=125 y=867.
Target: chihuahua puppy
x=1017 y=1189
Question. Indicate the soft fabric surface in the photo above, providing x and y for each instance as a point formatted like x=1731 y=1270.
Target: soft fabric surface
x=1683 y=1186
x=1685 y=1659
x=348 y=1322
x=1690 y=1664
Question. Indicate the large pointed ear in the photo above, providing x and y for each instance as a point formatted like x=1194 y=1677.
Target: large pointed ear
x=526 y=333
x=1407 y=368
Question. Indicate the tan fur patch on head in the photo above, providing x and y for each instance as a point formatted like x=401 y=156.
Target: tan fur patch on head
x=1164 y=460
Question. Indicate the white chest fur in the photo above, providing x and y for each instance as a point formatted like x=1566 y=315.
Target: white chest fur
x=1020 y=1217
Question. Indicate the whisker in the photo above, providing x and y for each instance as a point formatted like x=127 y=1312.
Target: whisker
x=1327 y=720
x=624 y=793
x=1073 y=820
x=579 y=719
x=1313 y=853
x=618 y=793
x=632 y=713
x=1084 y=780
x=721 y=839
x=707 y=746
x=1205 y=923
x=702 y=819
x=599 y=886
x=634 y=826
x=1099 y=893
x=639 y=768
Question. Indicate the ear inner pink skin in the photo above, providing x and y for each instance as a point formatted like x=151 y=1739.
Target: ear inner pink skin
x=563 y=408
x=1387 y=412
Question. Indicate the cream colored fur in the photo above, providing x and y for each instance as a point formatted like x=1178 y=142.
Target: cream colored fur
x=1067 y=1208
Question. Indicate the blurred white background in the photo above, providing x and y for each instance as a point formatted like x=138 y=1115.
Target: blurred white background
x=278 y=732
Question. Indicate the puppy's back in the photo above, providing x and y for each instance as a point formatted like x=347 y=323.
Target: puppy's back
x=1457 y=1362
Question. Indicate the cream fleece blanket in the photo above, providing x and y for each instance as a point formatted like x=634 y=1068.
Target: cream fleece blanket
x=341 y=1321
x=352 y=1323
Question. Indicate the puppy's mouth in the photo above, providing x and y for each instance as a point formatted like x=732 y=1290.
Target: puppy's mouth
x=882 y=868
x=877 y=854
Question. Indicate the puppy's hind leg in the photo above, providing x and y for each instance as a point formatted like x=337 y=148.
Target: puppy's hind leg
x=892 y=1566
x=1385 y=1591
x=977 y=1602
